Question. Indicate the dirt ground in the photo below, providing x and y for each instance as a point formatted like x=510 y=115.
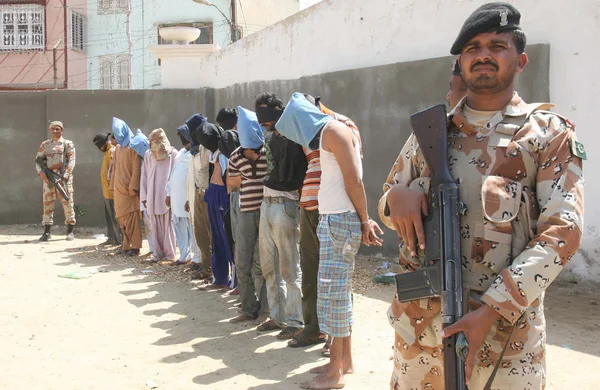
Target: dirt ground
x=124 y=328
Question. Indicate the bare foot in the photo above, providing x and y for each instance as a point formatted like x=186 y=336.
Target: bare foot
x=348 y=369
x=241 y=318
x=326 y=380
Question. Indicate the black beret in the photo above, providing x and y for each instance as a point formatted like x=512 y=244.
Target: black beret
x=490 y=17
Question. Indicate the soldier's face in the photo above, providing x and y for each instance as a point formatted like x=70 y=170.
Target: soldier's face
x=490 y=62
x=56 y=132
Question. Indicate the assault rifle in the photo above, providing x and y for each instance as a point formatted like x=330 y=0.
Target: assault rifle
x=54 y=179
x=440 y=276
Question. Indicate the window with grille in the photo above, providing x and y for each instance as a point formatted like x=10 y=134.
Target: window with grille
x=23 y=27
x=114 y=71
x=106 y=7
x=206 y=32
x=124 y=73
x=78 y=31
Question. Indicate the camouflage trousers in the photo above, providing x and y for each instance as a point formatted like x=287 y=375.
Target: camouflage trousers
x=49 y=201
x=418 y=356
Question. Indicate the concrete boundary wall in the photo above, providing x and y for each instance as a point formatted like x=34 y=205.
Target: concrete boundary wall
x=379 y=99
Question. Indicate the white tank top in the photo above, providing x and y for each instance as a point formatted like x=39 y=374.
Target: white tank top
x=333 y=198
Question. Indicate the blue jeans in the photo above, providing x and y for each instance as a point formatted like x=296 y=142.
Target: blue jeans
x=280 y=259
x=253 y=289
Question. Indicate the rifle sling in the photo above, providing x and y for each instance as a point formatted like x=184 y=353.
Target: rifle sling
x=488 y=385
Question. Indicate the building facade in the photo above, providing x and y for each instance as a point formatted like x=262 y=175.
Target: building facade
x=43 y=44
x=108 y=44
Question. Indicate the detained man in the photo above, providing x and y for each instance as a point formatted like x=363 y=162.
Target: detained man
x=248 y=165
x=227 y=119
x=113 y=231
x=343 y=224
x=209 y=135
x=125 y=182
x=140 y=143
x=177 y=198
x=158 y=165
x=279 y=222
x=198 y=176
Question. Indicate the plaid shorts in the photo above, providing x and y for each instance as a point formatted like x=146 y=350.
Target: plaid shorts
x=340 y=238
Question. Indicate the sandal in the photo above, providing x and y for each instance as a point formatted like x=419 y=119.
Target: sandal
x=182 y=262
x=303 y=339
x=289 y=333
x=212 y=287
x=326 y=350
x=268 y=326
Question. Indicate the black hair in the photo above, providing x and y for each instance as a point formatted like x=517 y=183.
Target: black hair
x=270 y=100
x=226 y=114
x=520 y=40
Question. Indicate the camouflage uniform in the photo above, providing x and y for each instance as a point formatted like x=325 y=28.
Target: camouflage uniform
x=522 y=180
x=57 y=154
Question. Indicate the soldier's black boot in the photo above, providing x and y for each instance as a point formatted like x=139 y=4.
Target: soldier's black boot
x=70 y=235
x=46 y=236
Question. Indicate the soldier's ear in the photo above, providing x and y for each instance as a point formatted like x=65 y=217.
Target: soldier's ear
x=522 y=62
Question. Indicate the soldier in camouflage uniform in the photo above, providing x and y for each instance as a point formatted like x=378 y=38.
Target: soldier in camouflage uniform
x=519 y=171
x=59 y=155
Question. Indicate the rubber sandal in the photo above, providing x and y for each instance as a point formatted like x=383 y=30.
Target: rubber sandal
x=268 y=326
x=288 y=333
x=305 y=340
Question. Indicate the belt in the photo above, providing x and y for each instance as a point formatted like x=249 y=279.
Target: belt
x=278 y=199
x=235 y=189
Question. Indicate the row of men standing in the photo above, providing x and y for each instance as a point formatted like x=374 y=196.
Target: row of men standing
x=254 y=202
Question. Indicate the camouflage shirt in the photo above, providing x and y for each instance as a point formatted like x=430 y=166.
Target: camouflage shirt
x=55 y=155
x=521 y=177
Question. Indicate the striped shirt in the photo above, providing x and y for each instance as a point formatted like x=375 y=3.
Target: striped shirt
x=312 y=181
x=253 y=174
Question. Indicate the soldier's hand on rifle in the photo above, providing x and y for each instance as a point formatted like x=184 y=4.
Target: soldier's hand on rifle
x=476 y=326
x=407 y=208
x=187 y=206
x=168 y=201
x=370 y=230
x=44 y=177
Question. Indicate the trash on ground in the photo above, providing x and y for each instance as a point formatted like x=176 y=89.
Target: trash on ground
x=147 y=271
x=100 y=237
x=76 y=275
x=386 y=278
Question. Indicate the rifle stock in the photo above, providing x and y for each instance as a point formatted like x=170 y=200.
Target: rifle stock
x=440 y=276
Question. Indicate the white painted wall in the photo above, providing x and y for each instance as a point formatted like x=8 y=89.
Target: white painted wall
x=337 y=35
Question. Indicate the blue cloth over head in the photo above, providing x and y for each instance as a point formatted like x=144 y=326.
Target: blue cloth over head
x=140 y=143
x=185 y=132
x=301 y=121
x=250 y=132
x=121 y=131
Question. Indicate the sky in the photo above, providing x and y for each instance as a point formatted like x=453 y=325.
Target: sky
x=307 y=3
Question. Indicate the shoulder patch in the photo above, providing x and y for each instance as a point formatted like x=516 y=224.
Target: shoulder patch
x=577 y=149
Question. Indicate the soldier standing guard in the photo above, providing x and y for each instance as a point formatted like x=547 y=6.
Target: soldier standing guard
x=519 y=169
x=59 y=156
